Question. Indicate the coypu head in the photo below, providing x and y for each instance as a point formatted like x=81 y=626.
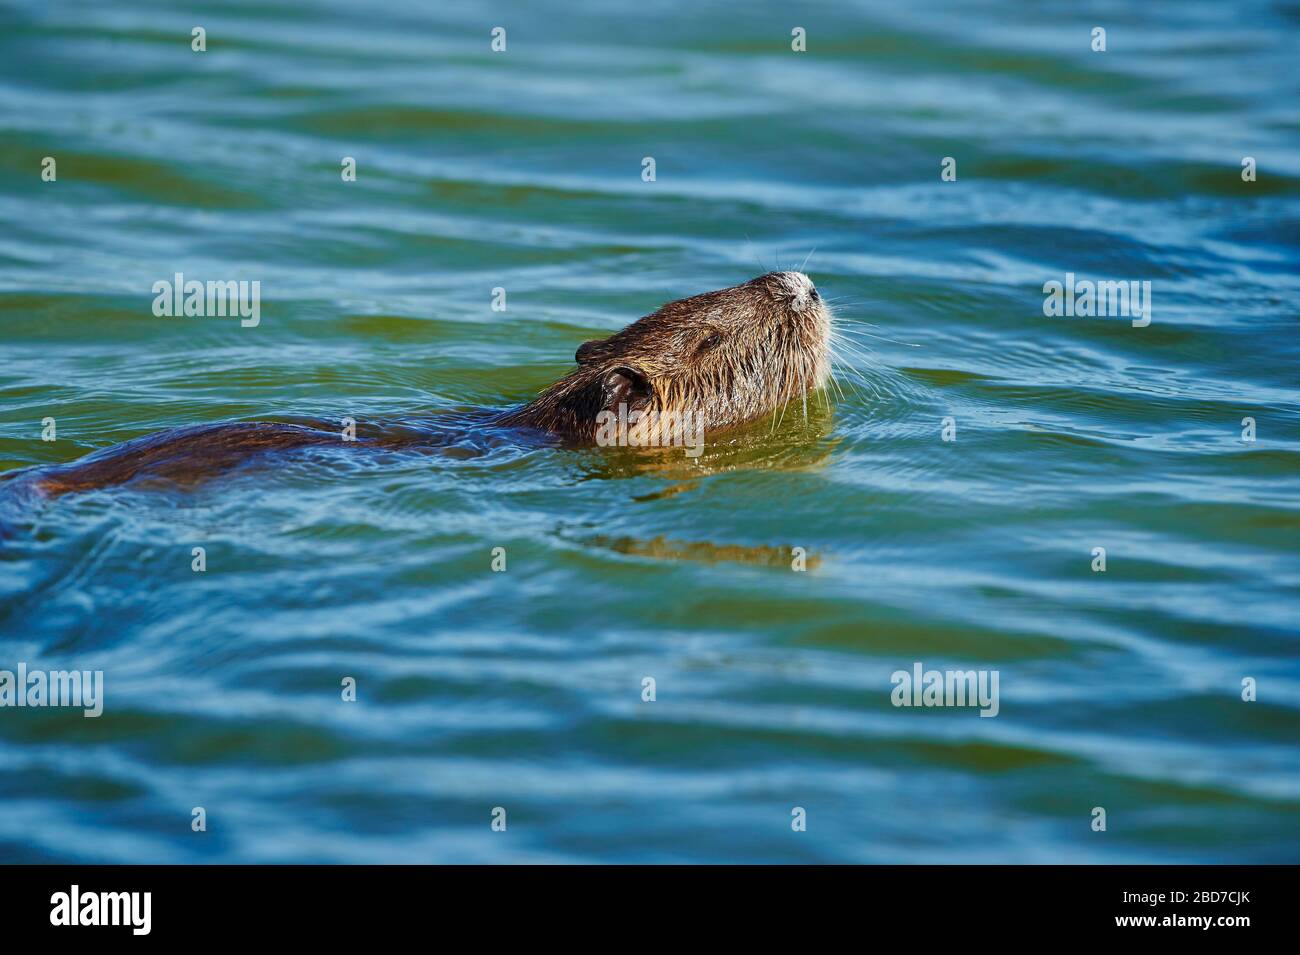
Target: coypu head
x=724 y=357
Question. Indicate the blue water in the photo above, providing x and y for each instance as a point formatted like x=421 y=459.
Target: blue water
x=522 y=689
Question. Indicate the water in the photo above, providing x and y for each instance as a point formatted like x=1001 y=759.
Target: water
x=522 y=689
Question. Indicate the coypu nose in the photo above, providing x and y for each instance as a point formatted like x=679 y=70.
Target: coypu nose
x=797 y=286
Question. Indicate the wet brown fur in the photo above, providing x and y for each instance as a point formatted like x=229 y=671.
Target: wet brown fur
x=730 y=356
x=180 y=455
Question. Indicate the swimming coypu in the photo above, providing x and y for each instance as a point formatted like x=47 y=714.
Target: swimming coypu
x=714 y=360
x=722 y=358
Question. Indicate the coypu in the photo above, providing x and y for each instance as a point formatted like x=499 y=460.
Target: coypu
x=718 y=360
x=726 y=357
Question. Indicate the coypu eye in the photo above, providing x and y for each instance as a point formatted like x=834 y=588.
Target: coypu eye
x=710 y=341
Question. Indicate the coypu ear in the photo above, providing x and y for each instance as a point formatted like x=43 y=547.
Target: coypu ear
x=627 y=386
x=587 y=350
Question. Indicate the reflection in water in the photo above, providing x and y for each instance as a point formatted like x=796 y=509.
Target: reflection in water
x=661 y=548
x=782 y=441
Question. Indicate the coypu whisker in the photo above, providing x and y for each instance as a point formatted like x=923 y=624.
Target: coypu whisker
x=853 y=374
x=854 y=379
x=836 y=385
x=754 y=251
x=881 y=338
x=859 y=349
x=846 y=348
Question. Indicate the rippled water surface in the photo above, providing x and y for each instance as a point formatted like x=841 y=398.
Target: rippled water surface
x=523 y=689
